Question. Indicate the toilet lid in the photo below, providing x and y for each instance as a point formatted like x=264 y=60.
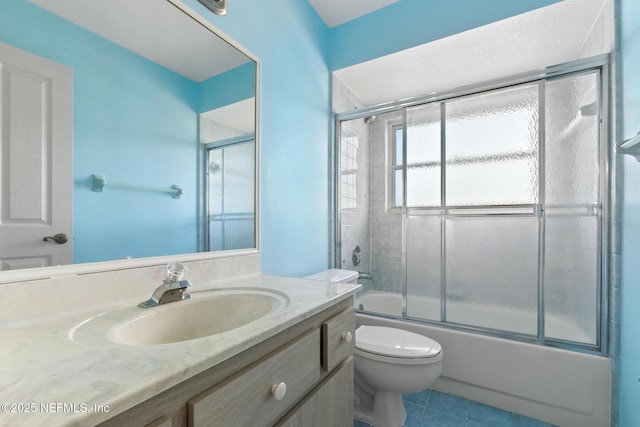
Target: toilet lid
x=394 y=342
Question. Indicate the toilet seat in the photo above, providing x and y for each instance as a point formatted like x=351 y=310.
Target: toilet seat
x=396 y=346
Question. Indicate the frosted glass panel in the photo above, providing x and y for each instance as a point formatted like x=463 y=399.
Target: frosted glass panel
x=424 y=255
x=572 y=136
x=215 y=187
x=571 y=208
x=492 y=148
x=423 y=187
x=238 y=179
x=492 y=273
x=399 y=185
x=423 y=156
x=570 y=278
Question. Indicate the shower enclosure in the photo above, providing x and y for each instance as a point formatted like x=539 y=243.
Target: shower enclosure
x=485 y=209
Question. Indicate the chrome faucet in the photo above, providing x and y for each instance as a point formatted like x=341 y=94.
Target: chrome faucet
x=172 y=289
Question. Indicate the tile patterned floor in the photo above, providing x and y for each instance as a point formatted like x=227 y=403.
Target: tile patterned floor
x=431 y=408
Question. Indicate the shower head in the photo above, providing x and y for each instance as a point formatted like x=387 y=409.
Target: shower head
x=589 y=109
x=370 y=120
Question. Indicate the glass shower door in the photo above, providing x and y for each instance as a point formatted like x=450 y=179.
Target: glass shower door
x=485 y=211
x=504 y=228
x=572 y=208
x=472 y=230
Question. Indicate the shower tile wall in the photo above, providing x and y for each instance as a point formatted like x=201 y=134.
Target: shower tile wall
x=354 y=179
x=386 y=225
x=370 y=224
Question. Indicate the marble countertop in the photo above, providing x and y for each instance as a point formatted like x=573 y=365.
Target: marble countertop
x=47 y=378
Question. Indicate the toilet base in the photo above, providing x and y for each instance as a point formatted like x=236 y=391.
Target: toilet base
x=387 y=410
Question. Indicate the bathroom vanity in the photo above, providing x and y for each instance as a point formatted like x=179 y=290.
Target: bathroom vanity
x=62 y=364
x=303 y=376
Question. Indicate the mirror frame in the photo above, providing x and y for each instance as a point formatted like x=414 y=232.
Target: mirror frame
x=29 y=274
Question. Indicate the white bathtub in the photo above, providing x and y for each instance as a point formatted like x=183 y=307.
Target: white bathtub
x=562 y=387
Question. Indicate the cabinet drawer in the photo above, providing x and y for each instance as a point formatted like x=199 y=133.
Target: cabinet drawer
x=246 y=399
x=338 y=338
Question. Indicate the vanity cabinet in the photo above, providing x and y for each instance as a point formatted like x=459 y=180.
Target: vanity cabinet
x=302 y=376
x=330 y=405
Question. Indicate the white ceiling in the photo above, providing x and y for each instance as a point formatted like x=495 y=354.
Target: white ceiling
x=548 y=36
x=336 y=12
x=238 y=116
x=155 y=30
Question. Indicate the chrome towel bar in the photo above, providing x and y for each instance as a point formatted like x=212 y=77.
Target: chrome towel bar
x=98 y=182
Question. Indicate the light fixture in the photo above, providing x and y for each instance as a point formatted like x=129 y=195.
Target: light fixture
x=219 y=7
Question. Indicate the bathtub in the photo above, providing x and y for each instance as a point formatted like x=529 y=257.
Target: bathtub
x=561 y=387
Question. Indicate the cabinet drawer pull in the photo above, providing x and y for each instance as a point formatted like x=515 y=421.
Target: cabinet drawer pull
x=279 y=390
x=347 y=337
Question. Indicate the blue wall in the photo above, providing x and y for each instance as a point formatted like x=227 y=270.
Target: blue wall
x=132 y=119
x=227 y=88
x=297 y=51
x=292 y=44
x=630 y=332
x=410 y=23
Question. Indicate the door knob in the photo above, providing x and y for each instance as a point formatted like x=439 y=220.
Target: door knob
x=60 y=238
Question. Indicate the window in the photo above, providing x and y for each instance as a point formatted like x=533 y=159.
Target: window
x=349 y=145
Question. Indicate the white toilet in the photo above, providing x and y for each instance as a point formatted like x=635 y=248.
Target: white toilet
x=388 y=363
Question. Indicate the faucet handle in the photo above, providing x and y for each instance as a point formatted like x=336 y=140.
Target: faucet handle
x=175 y=271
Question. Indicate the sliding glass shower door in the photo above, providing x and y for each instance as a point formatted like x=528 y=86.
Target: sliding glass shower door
x=485 y=220
x=495 y=201
x=513 y=236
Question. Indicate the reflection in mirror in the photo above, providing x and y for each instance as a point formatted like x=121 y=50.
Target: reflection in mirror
x=135 y=92
x=227 y=139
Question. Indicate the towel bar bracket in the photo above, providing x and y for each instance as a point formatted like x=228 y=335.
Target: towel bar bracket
x=631 y=146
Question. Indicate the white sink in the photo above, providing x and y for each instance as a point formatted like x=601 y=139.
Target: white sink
x=206 y=313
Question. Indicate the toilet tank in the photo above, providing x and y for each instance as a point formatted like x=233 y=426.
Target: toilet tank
x=336 y=275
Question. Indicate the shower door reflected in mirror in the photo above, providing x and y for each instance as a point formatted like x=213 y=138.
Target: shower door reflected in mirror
x=227 y=152
x=230 y=196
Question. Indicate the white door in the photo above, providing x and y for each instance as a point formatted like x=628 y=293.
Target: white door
x=36 y=160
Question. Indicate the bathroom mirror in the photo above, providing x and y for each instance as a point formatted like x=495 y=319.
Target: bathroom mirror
x=109 y=110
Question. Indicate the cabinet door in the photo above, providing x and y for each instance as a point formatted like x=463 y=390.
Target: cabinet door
x=331 y=403
x=338 y=338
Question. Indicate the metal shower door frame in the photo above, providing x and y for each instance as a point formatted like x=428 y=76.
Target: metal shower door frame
x=606 y=182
